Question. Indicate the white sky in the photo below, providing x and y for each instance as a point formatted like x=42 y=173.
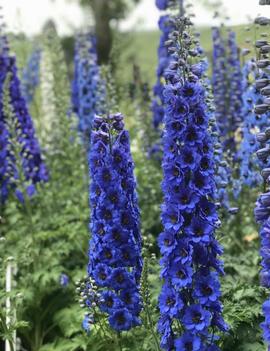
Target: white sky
x=30 y=15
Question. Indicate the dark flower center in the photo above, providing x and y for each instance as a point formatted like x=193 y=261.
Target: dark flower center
x=198 y=231
x=167 y=242
x=125 y=219
x=196 y=318
x=207 y=290
x=109 y=302
x=128 y=299
x=204 y=164
x=183 y=252
x=118 y=158
x=107 y=176
x=189 y=92
x=188 y=158
x=113 y=198
x=181 y=274
x=102 y=276
x=184 y=199
x=108 y=254
x=205 y=148
x=191 y=135
x=176 y=126
x=170 y=301
x=181 y=109
x=126 y=255
x=107 y=214
x=188 y=346
x=121 y=319
x=101 y=231
x=173 y=218
x=176 y=172
x=116 y=236
x=120 y=278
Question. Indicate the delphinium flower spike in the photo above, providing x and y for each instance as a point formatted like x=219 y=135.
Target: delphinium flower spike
x=190 y=307
x=87 y=94
x=115 y=261
x=235 y=102
x=249 y=163
x=17 y=123
x=164 y=57
x=166 y=28
x=6 y=159
x=262 y=209
x=30 y=76
x=219 y=81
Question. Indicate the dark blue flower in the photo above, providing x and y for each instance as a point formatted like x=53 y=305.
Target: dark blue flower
x=109 y=301
x=170 y=302
x=207 y=288
x=115 y=261
x=196 y=318
x=188 y=342
x=20 y=131
x=122 y=319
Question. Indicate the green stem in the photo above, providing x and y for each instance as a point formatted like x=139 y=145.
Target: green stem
x=119 y=341
x=152 y=329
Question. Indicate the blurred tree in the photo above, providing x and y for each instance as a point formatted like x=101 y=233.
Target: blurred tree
x=104 y=11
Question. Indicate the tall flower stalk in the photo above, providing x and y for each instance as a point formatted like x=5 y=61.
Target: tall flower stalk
x=262 y=209
x=189 y=302
x=88 y=95
x=30 y=76
x=17 y=129
x=115 y=262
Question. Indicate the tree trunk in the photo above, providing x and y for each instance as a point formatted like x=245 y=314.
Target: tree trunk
x=103 y=30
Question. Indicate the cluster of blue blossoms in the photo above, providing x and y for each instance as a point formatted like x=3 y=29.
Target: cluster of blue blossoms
x=219 y=80
x=227 y=88
x=88 y=92
x=262 y=209
x=250 y=164
x=19 y=130
x=190 y=294
x=115 y=261
x=30 y=76
x=235 y=85
x=166 y=28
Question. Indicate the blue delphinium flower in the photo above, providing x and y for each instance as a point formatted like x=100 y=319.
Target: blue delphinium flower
x=190 y=266
x=235 y=84
x=23 y=132
x=249 y=163
x=88 y=92
x=262 y=209
x=32 y=162
x=164 y=57
x=227 y=88
x=115 y=261
x=7 y=163
x=162 y=4
x=219 y=81
x=30 y=76
x=64 y=279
